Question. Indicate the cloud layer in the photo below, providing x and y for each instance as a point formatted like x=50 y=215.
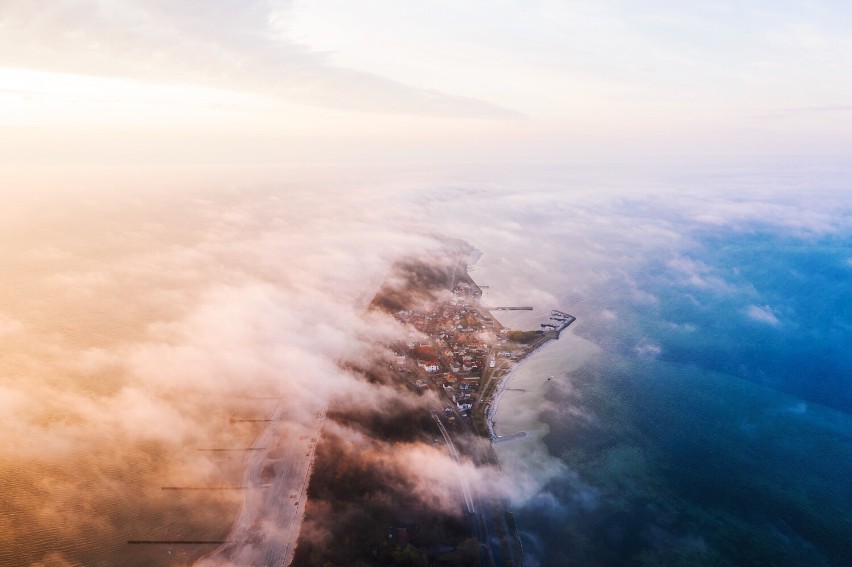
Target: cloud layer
x=137 y=324
x=218 y=44
x=137 y=319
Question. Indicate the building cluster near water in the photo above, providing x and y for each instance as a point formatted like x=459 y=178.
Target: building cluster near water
x=457 y=343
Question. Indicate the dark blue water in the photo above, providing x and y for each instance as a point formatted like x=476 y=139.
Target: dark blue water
x=772 y=309
x=716 y=427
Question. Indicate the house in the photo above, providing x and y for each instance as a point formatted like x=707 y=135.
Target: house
x=431 y=366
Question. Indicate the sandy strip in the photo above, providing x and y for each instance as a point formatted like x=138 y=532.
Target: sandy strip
x=575 y=352
x=502 y=384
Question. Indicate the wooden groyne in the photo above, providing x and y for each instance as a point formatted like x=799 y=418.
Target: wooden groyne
x=204 y=487
x=503 y=438
x=176 y=542
x=235 y=449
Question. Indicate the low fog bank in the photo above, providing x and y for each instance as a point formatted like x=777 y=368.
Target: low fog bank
x=385 y=490
x=712 y=270
x=140 y=328
x=138 y=317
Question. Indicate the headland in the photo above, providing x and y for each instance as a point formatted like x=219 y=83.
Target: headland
x=447 y=374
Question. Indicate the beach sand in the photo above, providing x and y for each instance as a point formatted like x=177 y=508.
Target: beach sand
x=525 y=461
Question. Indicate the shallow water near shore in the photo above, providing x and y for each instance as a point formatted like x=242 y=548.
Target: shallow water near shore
x=526 y=391
x=669 y=464
x=697 y=433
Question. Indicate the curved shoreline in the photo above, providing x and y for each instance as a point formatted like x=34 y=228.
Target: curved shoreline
x=502 y=384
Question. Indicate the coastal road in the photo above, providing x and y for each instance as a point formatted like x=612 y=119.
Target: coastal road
x=484 y=519
x=454 y=453
x=492 y=525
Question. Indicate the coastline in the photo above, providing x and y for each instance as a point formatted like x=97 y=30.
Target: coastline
x=254 y=536
x=491 y=399
x=500 y=389
x=264 y=531
x=244 y=537
x=526 y=461
x=574 y=352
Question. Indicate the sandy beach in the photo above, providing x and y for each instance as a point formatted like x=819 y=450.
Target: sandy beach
x=518 y=404
x=268 y=525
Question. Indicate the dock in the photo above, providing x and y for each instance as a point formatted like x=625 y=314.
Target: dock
x=235 y=449
x=204 y=487
x=502 y=438
x=564 y=320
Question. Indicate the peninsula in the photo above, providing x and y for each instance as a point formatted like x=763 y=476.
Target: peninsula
x=439 y=384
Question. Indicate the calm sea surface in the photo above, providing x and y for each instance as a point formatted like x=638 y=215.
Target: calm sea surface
x=713 y=426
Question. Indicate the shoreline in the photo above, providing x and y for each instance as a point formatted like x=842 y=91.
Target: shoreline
x=253 y=513
x=256 y=533
x=492 y=401
x=250 y=538
x=580 y=351
x=527 y=462
x=502 y=385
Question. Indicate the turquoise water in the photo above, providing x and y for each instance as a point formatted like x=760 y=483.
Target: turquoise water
x=715 y=426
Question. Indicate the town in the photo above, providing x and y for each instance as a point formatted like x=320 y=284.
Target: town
x=445 y=368
x=462 y=350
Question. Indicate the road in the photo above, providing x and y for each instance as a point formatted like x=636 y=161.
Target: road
x=476 y=527
x=486 y=518
x=454 y=453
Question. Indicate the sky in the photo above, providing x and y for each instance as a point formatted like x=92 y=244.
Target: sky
x=278 y=81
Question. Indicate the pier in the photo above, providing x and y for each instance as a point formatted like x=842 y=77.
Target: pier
x=237 y=449
x=564 y=320
x=502 y=438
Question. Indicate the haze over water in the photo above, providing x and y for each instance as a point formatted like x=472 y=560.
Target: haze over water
x=713 y=425
x=708 y=420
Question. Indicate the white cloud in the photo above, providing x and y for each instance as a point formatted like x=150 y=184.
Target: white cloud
x=647 y=350
x=9 y=326
x=180 y=302
x=763 y=314
x=698 y=274
x=136 y=357
x=217 y=44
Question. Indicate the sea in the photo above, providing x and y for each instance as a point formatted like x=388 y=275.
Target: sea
x=699 y=412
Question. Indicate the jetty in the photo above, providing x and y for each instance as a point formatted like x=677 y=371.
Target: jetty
x=502 y=438
x=564 y=320
x=176 y=542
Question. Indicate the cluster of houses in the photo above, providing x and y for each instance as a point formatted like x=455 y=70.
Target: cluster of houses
x=452 y=347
